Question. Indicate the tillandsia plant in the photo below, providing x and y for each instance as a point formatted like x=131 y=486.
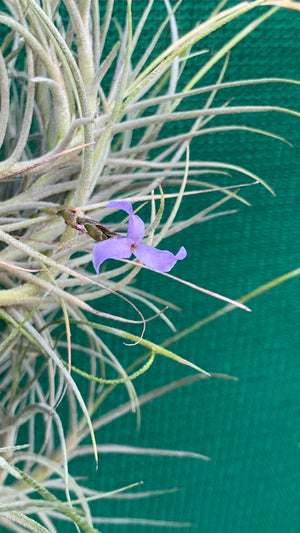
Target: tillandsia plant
x=83 y=132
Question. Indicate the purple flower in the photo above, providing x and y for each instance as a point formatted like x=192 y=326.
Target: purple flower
x=123 y=247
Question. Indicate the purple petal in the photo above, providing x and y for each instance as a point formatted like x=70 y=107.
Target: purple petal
x=121 y=204
x=136 y=229
x=182 y=253
x=118 y=248
x=159 y=260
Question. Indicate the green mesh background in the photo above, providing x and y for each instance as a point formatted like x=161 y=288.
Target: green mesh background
x=249 y=428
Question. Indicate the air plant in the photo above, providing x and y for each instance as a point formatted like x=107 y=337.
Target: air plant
x=82 y=130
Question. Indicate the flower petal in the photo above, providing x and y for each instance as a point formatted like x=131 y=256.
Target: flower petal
x=159 y=260
x=121 y=204
x=182 y=253
x=136 y=227
x=115 y=248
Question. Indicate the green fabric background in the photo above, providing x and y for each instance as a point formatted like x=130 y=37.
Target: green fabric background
x=249 y=428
